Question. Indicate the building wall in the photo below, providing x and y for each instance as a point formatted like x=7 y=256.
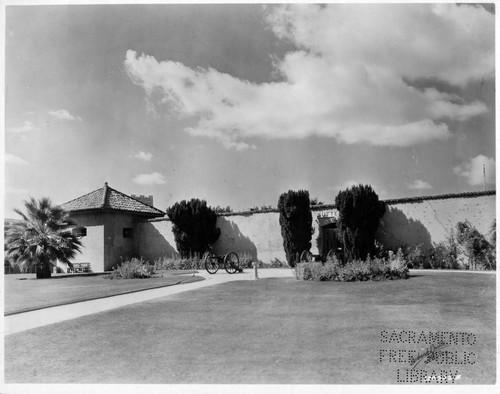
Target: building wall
x=253 y=234
x=117 y=248
x=154 y=238
x=104 y=245
x=92 y=250
x=412 y=221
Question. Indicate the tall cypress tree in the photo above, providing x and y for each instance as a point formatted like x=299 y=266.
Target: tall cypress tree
x=194 y=226
x=296 y=223
x=359 y=214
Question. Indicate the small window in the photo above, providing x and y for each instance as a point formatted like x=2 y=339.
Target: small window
x=79 y=231
x=128 y=232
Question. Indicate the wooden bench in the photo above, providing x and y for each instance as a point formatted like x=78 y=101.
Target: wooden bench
x=80 y=267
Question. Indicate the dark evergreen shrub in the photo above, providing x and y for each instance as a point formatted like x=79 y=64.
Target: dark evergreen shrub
x=296 y=223
x=194 y=226
x=359 y=214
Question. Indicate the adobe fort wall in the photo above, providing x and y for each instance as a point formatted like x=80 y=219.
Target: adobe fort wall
x=411 y=221
x=427 y=221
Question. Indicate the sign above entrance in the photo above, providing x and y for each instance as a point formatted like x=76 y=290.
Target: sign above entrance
x=328 y=217
x=334 y=214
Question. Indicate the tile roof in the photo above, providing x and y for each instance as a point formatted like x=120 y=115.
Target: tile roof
x=109 y=199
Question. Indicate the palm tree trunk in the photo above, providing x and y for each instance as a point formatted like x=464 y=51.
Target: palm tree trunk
x=43 y=271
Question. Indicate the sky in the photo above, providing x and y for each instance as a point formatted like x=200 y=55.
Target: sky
x=236 y=104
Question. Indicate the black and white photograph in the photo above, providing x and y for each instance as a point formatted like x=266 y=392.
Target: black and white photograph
x=217 y=197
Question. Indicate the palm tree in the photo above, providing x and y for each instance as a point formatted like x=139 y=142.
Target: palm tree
x=41 y=238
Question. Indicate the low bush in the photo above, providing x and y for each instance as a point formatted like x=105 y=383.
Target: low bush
x=275 y=263
x=130 y=269
x=444 y=256
x=167 y=263
x=414 y=256
x=317 y=271
x=463 y=248
x=246 y=262
x=392 y=267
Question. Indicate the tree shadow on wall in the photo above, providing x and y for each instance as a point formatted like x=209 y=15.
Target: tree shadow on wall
x=233 y=240
x=155 y=244
x=397 y=230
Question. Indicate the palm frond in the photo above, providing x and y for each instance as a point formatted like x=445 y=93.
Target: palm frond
x=43 y=236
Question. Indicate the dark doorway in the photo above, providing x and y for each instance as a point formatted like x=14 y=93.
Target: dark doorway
x=328 y=240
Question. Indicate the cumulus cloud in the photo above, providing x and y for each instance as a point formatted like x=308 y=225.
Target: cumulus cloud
x=16 y=160
x=154 y=178
x=64 y=114
x=354 y=77
x=418 y=184
x=146 y=156
x=477 y=169
x=25 y=128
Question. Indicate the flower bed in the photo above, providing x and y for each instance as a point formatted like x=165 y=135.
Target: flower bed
x=394 y=267
x=130 y=269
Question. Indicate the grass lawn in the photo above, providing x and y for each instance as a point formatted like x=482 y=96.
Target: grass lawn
x=266 y=331
x=31 y=293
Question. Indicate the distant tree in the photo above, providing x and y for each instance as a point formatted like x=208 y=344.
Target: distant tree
x=296 y=223
x=359 y=214
x=219 y=209
x=315 y=201
x=42 y=237
x=194 y=226
x=475 y=245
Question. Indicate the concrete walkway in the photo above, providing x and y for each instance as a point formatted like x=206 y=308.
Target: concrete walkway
x=42 y=317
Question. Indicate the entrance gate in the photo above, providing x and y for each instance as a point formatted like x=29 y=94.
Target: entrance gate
x=328 y=239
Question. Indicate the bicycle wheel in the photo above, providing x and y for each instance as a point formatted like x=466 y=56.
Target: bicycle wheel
x=305 y=256
x=231 y=262
x=211 y=262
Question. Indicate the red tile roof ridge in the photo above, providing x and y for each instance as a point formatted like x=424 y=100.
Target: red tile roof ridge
x=106 y=204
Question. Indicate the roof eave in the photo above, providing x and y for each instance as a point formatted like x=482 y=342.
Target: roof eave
x=102 y=210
